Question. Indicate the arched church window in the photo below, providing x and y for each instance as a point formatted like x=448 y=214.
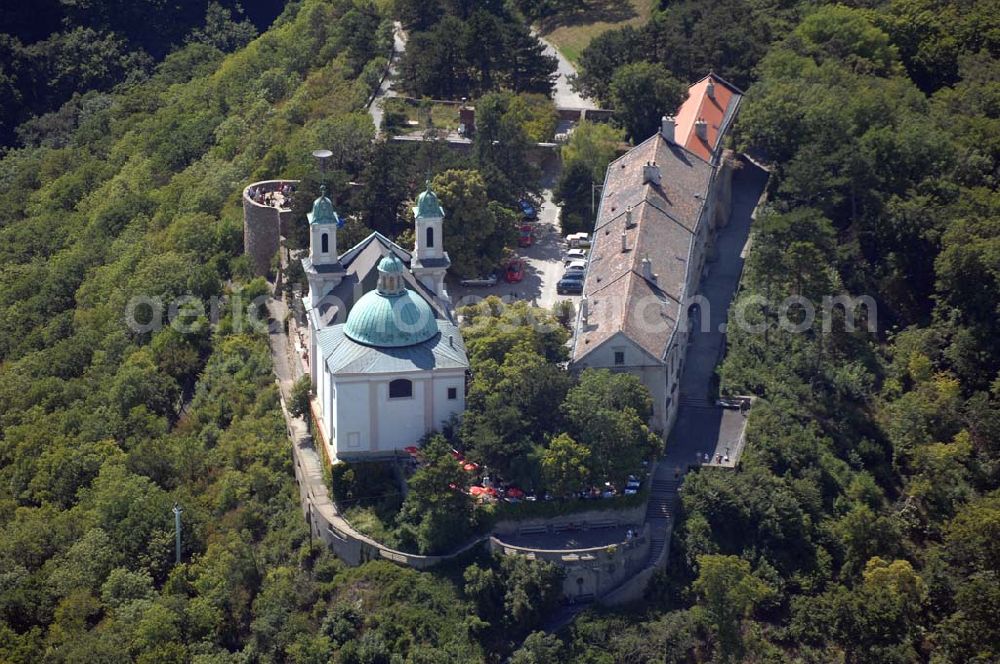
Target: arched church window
x=324 y=243
x=400 y=389
x=430 y=237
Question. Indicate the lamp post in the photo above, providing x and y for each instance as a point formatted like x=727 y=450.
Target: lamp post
x=593 y=196
x=177 y=531
x=321 y=156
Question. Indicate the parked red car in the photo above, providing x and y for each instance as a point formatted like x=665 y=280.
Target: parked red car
x=527 y=236
x=515 y=271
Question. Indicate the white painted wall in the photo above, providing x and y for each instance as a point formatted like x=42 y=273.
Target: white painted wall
x=400 y=421
x=353 y=417
x=391 y=424
x=421 y=249
x=443 y=407
x=330 y=414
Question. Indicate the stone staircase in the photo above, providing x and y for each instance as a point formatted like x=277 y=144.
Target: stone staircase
x=696 y=403
x=660 y=511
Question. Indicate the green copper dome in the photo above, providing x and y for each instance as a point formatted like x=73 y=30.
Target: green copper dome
x=323 y=212
x=427 y=204
x=391 y=316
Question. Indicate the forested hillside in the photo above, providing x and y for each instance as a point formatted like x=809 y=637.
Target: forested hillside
x=140 y=198
x=55 y=51
x=864 y=520
x=862 y=525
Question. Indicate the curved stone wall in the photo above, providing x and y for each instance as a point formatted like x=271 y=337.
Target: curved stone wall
x=325 y=521
x=262 y=226
x=591 y=572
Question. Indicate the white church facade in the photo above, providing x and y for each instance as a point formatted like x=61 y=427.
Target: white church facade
x=386 y=359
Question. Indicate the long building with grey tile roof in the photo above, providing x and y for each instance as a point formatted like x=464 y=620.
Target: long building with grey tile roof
x=660 y=207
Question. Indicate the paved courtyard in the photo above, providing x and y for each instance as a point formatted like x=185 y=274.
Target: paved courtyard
x=544 y=262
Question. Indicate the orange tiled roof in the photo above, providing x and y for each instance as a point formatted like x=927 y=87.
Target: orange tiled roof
x=716 y=110
x=620 y=299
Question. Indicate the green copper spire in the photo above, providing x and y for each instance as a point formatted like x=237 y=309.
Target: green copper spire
x=427 y=204
x=323 y=212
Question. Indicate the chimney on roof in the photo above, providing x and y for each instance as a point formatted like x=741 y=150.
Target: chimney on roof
x=710 y=88
x=629 y=218
x=701 y=128
x=647 y=269
x=667 y=125
x=651 y=174
x=583 y=311
x=624 y=241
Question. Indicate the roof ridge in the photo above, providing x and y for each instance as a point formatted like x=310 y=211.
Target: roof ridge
x=690 y=152
x=353 y=252
x=624 y=312
x=654 y=285
x=631 y=150
x=726 y=83
x=670 y=216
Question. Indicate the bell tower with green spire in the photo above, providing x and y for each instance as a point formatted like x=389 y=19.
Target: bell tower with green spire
x=430 y=261
x=322 y=266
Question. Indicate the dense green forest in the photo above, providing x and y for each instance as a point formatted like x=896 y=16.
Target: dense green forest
x=458 y=48
x=54 y=51
x=863 y=523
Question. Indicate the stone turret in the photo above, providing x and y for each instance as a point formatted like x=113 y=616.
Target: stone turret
x=264 y=223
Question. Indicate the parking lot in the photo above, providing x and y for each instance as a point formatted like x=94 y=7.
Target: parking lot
x=543 y=267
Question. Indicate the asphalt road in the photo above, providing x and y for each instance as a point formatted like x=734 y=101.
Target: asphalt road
x=385 y=90
x=563 y=94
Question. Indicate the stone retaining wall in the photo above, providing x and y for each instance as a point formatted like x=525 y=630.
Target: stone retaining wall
x=633 y=589
x=325 y=521
x=629 y=516
x=591 y=572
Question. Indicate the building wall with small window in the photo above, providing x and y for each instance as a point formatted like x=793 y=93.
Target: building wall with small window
x=636 y=361
x=376 y=415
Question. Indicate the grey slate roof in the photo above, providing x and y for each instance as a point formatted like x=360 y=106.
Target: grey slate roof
x=619 y=298
x=360 y=265
x=328 y=268
x=342 y=355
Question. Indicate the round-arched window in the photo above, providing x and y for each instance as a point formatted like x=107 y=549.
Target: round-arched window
x=400 y=389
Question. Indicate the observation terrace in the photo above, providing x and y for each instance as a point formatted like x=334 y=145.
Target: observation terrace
x=267 y=209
